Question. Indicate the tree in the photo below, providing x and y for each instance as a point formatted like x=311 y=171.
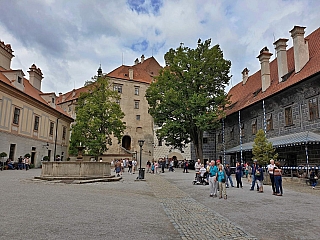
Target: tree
x=98 y=118
x=262 y=149
x=188 y=96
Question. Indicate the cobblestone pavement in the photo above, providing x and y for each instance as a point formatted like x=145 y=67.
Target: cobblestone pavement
x=165 y=206
x=295 y=215
x=192 y=219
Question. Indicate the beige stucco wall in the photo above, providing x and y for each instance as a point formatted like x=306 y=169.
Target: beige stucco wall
x=23 y=135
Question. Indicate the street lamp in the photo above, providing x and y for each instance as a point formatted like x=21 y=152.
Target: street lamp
x=141 y=175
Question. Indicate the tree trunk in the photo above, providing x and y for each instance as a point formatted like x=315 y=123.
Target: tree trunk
x=199 y=146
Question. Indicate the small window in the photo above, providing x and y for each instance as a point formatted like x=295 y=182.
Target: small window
x=288 y=116
x=136 y=90
x=16 y=116
x=117 y=88
x=136 y=104
x=138 y=117
x=19 y=79
x=242 y=129
x=51 y=128
x=254 y=127
x=269 y=123
x=64 y=132
x=232 y=133
x=36 y=123
x=160 y=142
x=205 y=140
x=313 y=108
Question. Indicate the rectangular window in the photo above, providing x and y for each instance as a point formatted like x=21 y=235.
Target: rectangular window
x=64 y=132
x=254 y=126
x=242 y=129
x=232 y=133
x=117 y=88
x=16 y=116
x=51 y=128
x=19 y=79
x=313 y=108
x=138 y=117
x=52 y=100
x=288 y=116
x=269 y=123
x=160 y=142
x=205 y=140
x=136 y=104
x=136 y=90
x=36 y=123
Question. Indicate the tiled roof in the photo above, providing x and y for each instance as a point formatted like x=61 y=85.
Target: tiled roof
x=31 y=92
x=243 y=96
x=142 y=72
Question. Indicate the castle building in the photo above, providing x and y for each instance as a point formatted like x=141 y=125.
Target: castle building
x=30 y=121
x=282 y=98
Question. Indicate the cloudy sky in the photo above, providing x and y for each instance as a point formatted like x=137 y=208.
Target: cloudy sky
x=68 y=39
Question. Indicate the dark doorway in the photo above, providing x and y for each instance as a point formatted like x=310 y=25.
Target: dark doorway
x=33 y=154
x=291 y=160
x=12 y=151
x=126 y=142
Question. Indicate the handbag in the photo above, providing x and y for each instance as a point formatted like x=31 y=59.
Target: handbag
x=257 y=174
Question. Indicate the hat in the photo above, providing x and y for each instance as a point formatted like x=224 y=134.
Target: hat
x=218 y=160
x=255 y=160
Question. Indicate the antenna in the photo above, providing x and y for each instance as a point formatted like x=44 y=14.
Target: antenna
x=275 y=52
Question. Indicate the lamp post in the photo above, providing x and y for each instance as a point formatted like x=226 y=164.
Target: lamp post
x=141 y=174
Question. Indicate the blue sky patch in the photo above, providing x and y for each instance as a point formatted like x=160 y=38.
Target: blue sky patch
x=140 y=46
x=145 y=6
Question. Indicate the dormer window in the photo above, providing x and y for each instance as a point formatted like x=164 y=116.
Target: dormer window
x=19 y=79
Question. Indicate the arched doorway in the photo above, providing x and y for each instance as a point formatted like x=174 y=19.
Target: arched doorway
x=126 y=142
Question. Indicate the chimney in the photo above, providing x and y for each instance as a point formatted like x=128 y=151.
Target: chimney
x=142 y=58
x=300 y=48
x=280 y=46
x=35 y=77
x=136 y=61
x=130 y=73
x=265 y=68
x=5 y=55
x=245 y=75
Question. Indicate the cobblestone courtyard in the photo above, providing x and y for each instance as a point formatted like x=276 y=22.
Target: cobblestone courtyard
x=165 y=206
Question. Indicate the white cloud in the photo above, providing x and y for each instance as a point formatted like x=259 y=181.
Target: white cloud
x=69 y=39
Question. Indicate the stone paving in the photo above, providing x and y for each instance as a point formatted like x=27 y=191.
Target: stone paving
x=165 y=206
x=192 y=219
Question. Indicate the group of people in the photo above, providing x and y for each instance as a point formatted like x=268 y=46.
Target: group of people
x=219 y=177
x=120 y=164
x=23 y=163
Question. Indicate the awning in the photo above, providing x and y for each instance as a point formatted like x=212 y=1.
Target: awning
x=283 y=141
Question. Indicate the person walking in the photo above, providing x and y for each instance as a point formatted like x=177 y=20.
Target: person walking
x=130 y=166
x=222 y=182
x=278 y=179
x=27 y=163
x=229 y=177
x=259 y=178
x=185 y=166
x=238 y=174
x=270 y=171
x=254 y=168
x=148 y=166
x=213 y=172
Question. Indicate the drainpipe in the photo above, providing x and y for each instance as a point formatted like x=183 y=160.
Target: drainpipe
x=55 y=140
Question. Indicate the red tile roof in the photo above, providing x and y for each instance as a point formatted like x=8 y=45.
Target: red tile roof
x=31 y=92
x=142 y=72
x=243 y=96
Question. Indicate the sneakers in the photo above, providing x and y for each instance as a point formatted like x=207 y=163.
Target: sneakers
x=211 y=195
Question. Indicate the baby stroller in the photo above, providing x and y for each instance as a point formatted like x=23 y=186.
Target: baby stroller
x=200 y=180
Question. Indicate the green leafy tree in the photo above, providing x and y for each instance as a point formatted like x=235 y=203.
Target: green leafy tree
x=98 y=118
x=188 y=96
x=262 y=149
